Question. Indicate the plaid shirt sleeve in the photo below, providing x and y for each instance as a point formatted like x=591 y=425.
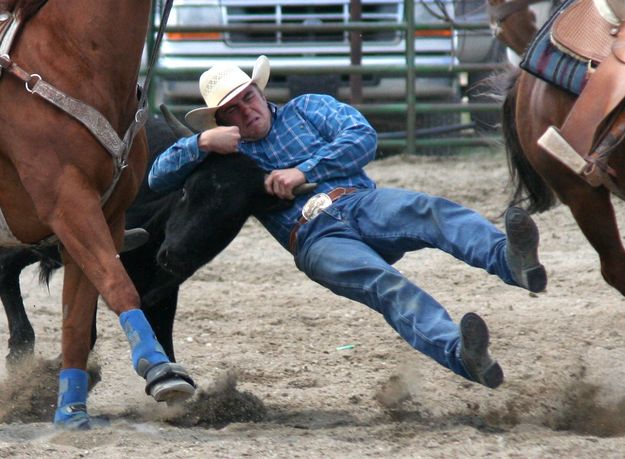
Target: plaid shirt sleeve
x=172 y=167
x=352 y=142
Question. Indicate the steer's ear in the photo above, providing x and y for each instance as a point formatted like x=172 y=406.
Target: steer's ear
x=134 y=238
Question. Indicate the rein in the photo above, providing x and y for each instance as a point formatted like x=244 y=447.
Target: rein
x=91 y=118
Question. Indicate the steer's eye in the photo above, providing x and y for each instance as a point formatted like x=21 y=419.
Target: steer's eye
x=183 y=198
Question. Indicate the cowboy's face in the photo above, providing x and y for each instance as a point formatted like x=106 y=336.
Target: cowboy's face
x=249 y=112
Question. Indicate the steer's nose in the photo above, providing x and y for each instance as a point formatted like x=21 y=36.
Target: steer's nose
x=172 y=263
x=162 y=259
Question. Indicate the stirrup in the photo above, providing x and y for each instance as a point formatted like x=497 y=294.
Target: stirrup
x=556 y=145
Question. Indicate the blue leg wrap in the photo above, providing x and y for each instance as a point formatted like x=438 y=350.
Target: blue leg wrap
x=146 y=351
x=71 y=411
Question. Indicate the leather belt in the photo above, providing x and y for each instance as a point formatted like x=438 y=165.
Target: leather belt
x=313 y=207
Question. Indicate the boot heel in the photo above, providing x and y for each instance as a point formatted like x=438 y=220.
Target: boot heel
x=536 y=278
x=493 y=376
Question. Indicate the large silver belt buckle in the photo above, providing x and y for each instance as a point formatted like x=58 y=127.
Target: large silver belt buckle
x=315 y=205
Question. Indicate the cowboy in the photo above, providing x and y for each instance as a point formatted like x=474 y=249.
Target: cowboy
x=347 y=235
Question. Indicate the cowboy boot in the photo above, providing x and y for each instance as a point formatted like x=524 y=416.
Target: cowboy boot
x=474 y=340
x=522 y=250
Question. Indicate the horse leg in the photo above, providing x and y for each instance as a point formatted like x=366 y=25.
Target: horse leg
x=161 y=314
x=158 y=290
x=593 y=211
x=545 y=105
x=595 y=216
x=21 y=333
x=79 y=302
x=88 y=244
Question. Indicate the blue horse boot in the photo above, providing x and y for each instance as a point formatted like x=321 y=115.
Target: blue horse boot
x=71 y=411
x=166 y=381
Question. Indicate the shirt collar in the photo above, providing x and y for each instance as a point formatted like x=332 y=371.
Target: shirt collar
x=273 y=108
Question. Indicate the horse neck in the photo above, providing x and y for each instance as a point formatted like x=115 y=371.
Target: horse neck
x=94 y=41
x=109 y=34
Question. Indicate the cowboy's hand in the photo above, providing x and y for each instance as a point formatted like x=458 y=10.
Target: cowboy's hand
x=222 y=139
x=281 y=182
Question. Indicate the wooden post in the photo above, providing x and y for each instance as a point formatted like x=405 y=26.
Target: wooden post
x=355 y=42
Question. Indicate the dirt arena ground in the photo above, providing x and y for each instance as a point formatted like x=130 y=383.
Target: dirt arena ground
x=286 y=369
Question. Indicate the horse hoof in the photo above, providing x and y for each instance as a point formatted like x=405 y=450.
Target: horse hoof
x=169 y=382
x=83 y=423
x=172 y=391
x=72 y=417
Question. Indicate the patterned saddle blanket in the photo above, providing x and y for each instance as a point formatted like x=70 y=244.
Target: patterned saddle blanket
x=546 y=61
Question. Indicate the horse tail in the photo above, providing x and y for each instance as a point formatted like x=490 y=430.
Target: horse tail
x=49 y=262
x=530 y=190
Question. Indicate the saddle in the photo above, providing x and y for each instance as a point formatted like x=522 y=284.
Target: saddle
x=593 y=31
x=583 y=32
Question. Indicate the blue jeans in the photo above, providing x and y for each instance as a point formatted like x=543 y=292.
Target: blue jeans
x=350 y=246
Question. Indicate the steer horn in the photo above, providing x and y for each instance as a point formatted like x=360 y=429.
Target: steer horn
x=304 y=188
x=179 y=128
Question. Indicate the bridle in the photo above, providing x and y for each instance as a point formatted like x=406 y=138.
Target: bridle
x=91 y=118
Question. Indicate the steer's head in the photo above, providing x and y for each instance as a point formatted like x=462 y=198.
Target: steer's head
x=210 y=210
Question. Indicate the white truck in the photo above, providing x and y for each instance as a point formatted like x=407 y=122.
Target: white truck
x=301 y=57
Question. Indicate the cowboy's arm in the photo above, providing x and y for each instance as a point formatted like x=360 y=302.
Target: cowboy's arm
x=221 y=139
x=281 y=182
x=173 y=166
x=352 y=141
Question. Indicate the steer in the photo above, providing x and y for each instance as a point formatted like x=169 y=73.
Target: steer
x=222 y=192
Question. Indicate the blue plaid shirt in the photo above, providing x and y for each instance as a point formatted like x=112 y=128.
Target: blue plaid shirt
x=330 y=142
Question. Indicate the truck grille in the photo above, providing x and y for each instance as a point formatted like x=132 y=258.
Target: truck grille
x=298 y=12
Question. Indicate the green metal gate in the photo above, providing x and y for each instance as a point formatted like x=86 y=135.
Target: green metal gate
x=408 y=140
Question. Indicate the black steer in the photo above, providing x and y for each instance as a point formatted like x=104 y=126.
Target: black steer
x=219 y=195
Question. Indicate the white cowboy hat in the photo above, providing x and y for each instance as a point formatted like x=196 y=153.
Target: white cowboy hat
x=219 y=85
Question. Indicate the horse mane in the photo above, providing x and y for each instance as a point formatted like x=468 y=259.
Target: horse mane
x=27 y=8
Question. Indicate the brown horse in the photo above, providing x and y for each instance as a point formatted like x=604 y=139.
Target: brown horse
x=531 y=106
x=55 y=174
